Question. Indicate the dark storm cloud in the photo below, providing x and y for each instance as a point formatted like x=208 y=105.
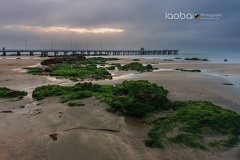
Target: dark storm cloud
x=143 y=23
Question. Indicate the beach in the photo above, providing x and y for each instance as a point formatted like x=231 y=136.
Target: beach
x=90 y=132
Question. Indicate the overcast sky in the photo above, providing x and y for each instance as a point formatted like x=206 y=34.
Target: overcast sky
x=120 y=24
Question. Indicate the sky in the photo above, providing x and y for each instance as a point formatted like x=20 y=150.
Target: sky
x=121 y=24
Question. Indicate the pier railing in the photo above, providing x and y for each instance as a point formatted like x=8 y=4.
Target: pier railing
x=56 y=52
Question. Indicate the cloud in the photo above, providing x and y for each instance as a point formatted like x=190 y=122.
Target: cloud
x=135 y=23
x=62 y=29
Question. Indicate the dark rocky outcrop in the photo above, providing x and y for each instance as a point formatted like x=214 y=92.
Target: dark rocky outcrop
x=60 y=60
x=195 y=59
x=7 y=111
x=227 y=84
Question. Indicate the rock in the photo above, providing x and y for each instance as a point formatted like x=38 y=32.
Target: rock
x=168 y=60
x=188 y=70
x=36 y=112
x=196 y=59
x=192 y=59
x=143 y=95
x=87 y=84
x=227 y=84
x=59 y=60
x=21 y=107
x=53 y=136
x=7 y=111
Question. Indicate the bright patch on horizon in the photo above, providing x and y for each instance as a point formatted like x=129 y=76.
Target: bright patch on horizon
x=63 y=29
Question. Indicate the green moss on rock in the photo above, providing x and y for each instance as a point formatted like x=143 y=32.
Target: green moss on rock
x=74 y=68
x=136 y=60
x=134 y=98
x=188 y=70
x=74 y=103
x=8 y=93
x=34 y=70
x=136 y=66
x=139 y=98
x=195 y=119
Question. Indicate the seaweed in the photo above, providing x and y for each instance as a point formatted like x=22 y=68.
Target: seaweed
x=74 y=103
x=34 y=70
x=188 y=70
x=195 y=119
x=137 y=66
x=134 y=98
x=191 y=120
x=8 y=93
x=74 y=68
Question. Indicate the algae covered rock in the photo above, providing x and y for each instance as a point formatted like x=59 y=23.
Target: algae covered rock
x=195 y=121
x=8 y=93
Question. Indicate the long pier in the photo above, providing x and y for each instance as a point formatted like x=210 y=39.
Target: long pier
x=57 y=52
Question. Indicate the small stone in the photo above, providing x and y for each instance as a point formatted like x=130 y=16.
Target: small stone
x=53 y=136
x=227 y=84
x=21 y=107
x=7 y=111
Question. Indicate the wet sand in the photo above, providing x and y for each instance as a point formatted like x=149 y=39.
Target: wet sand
x=90 y=132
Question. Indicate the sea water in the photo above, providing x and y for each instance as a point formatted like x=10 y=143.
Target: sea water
x=214 y=57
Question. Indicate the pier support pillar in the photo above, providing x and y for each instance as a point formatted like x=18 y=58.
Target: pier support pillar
x=55 y=54
x=44 y=54
x=18 y=53
x=65 y=53
x=4 y=53
x=31 y=54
